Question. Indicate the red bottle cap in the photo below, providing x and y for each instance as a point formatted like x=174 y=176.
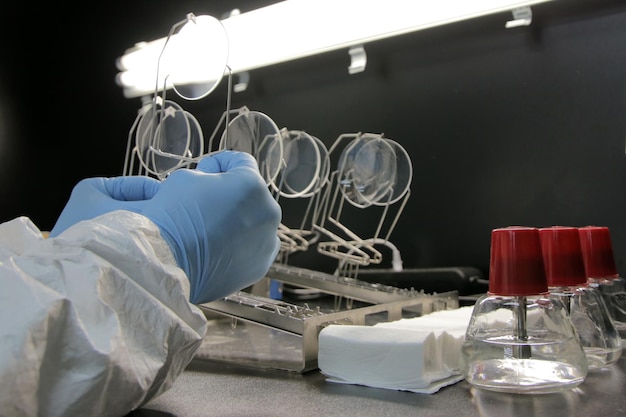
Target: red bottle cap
x=562 y=256
x=516 y=266
x=597 y=248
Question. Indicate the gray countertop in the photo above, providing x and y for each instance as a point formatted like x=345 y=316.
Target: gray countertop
x=209 y=388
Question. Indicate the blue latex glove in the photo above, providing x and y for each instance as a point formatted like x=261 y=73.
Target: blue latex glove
x=219 y=219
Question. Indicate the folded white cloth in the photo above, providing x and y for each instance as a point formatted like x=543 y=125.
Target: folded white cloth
x=420 y=354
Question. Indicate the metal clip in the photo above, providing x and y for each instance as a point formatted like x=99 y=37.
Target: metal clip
x=522 y=16
x=358 y=59
x=243 y=78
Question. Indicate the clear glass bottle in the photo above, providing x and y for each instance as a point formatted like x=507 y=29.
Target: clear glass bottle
x=597 y=248
x=519 y=339
x=565 y=274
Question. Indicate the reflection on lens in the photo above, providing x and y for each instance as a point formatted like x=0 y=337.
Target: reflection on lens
x=167 y=138
x=178 y=138
x=366 y=169
x=146 y=130
x=195 y=58
x=374 y=171
x=255 y=133
x=403 y=175
x=306 y=165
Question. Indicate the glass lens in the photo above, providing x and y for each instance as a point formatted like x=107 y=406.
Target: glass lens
x=302 y=164
x=255 y=133
x=146 y=131
x=167 y=138
x=178 y=139
x=374 y=171
x=366 y=170
x=195 y=58
x=403 y=176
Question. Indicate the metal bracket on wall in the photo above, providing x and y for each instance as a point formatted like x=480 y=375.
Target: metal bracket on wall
x=243 y=78
x=522 y=16
x=358 y=59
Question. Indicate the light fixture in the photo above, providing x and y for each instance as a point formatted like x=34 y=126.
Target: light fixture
x=294 y=29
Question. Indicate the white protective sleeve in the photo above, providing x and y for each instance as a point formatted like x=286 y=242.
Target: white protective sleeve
x=94 y=322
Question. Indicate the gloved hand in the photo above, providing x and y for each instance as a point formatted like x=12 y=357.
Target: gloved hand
x=219 y=219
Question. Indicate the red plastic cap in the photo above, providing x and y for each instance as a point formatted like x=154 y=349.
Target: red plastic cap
x=516 y=266
x=597 y=248
x=562 y=256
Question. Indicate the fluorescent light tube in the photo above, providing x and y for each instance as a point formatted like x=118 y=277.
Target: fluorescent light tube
x=294 y=29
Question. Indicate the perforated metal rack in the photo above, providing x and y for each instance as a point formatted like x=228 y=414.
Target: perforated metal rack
x=258 y=331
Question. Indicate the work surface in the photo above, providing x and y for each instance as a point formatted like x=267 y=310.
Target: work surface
x=217 y=389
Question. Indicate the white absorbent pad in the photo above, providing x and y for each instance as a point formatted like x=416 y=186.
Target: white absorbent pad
x=420 y=354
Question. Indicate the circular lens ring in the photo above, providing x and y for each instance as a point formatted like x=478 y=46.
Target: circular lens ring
x=403 y=176
x=146 y=132
x=301 y=170
x=270 y=157
x=177 y=148
x=257 y=134
x=324 y=175
x=196 y=57
x=366 y=170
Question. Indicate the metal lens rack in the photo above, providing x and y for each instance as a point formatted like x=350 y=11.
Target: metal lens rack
x=251 y=329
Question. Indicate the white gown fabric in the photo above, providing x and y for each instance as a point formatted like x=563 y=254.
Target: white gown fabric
x=95 y=322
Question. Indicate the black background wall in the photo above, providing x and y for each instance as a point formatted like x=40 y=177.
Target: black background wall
x=519 y=126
